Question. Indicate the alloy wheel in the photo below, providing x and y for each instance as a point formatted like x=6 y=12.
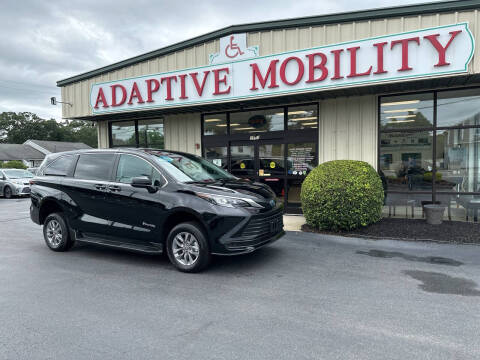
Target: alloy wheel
x=186 y=248
x=54 y=233
x=8 y=192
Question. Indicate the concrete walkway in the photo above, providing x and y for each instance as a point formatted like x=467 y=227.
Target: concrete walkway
x=293 y=222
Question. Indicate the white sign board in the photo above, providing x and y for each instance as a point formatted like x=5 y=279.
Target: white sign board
x=233 y=47
x=443 y=50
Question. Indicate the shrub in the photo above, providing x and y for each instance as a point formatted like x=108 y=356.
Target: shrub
x=428 y=176
x=13 y=164
x=342 y=195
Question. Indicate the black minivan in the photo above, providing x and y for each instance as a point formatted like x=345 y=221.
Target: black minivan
x=152 y=200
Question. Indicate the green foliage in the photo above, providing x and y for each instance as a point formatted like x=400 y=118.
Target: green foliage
x=16 y=128
x=12 y=164
x=342 y=195
x=428 y=176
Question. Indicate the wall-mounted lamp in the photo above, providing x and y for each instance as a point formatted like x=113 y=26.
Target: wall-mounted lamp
x=53 y=101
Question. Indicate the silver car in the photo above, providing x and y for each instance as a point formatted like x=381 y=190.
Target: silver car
x=14 y=182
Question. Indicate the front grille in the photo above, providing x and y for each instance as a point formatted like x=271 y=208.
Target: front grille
x=262 y=225
x=26 y=190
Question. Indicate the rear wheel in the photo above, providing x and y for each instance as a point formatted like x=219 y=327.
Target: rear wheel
x=56 y=234
x=187 y=247
x=7 y=192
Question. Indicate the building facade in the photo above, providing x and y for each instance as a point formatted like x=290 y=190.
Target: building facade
x=396 y=87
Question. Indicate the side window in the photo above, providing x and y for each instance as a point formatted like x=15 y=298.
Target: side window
x=94 y=167
x=60 y=166
x=130 y=166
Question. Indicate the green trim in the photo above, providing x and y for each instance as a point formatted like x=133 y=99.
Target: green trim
x=300 y=91
x=397 y=11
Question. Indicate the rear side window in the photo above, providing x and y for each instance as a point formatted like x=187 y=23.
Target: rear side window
x=94 y=167
x=130 y=166
x=59 y=167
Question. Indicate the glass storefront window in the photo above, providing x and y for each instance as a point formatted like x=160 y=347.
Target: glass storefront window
x=294 y=187
x=257 y=121
x=217 y=155
x=301 y=158
x=458 y=108
x=272 y=159
x=242 y=160
x=458 y=160
x=123 y=133
x=215 y=124
x=150 y=134
x=406 y=111
x=302 y=117
x=406 y=160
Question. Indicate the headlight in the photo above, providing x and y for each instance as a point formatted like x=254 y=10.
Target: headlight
x=228 y=201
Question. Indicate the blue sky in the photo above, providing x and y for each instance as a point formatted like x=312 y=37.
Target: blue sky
x=45 y=41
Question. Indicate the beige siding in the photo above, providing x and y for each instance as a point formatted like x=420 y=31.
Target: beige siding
x=272 y=42
x=183 y=133
x=102 y=132
x=348 y=129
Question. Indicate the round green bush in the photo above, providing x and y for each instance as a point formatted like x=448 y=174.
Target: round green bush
x=342 y=195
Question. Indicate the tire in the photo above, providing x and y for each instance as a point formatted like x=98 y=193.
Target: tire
x=7 y=192
x=197 y=255
x=56 y=234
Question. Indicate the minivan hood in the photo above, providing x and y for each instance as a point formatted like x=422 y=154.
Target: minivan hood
x=235 y=187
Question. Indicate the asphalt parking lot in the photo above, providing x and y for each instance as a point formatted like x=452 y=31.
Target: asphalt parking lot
x=304 y=297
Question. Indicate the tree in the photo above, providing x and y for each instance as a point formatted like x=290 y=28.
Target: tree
x=16 y=128
x=13 y=164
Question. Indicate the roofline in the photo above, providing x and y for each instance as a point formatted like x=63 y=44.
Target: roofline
x=369 y=14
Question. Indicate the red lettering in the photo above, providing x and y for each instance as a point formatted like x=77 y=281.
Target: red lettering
x=182 y=77
x=135 y=94
x=380 y=69
x=336 y=54
x=353 y=63
x=195 y=81
x=151 y=90
x=440 y=49
x=219 y=81
x=312 y=67
x=271 y=73
x=114 y=94
x=101 y=98
x=168 y=80
x=405 y=43
x=283 y=68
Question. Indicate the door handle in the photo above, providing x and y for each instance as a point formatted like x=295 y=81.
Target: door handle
x=100 y=186
x=114 y=188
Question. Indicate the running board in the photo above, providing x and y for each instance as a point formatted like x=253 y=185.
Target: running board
x=131 y=247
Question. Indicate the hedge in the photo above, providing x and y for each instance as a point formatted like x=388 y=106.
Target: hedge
x=342 y=195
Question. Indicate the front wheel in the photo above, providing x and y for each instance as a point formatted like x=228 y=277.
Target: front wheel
x=187 y=247
x=7 y=192
x=56 y=234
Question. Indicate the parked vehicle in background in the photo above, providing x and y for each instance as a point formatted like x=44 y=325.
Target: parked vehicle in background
x=14 y=182
x=33 y=170
x=152 y=201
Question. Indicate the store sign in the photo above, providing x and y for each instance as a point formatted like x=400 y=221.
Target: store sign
x=417 y=54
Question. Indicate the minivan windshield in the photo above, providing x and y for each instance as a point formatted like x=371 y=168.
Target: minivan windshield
x=190 y=168
x=18 y=174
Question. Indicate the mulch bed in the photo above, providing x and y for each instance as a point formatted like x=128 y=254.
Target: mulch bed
x=413 y=229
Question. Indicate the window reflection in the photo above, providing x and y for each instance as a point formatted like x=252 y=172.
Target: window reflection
x=302 y=117
x=257 y=121
x=150 y=133
x=215 y=124
x=406 y=160
x=406 y=111
x=217 y=155
x=458 y=108
x=123 y=133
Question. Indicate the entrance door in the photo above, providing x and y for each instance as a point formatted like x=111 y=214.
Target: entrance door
x=261 y=161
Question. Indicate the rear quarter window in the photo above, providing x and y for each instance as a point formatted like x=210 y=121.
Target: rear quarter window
x=94 y=167
x=60 y=166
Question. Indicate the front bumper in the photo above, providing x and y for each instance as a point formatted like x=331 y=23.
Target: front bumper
x=21 y=190
x=251 y=233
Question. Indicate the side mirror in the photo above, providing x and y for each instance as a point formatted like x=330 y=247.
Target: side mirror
x=143 y=182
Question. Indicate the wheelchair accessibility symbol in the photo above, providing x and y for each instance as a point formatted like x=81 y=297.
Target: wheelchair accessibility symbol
x=232 y=50
x=233 y=47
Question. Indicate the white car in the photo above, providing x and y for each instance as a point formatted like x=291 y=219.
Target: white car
x=14 y=182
